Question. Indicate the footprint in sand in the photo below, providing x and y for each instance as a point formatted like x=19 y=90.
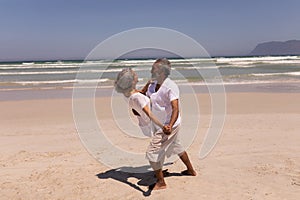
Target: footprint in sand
x=295 y=182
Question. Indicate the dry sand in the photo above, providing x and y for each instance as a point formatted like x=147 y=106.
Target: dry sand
x=257 y=156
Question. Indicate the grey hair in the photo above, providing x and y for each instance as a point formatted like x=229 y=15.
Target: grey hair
x=164 y=64
x=124 y=81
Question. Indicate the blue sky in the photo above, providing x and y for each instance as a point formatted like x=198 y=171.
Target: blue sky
x=55 y=29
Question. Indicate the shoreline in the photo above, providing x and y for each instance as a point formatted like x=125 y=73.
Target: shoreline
x=66 y=93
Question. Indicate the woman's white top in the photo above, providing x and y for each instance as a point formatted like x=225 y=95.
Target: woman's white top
x=138 y=101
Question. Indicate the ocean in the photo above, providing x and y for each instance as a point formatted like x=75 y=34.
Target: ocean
x=194 y=71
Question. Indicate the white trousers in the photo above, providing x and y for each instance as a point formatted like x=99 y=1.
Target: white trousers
x=163 y=145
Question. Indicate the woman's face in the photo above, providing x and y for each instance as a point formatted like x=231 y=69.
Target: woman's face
x=135 y=79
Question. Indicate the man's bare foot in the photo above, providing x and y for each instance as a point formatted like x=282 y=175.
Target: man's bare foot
x=159 y=186
x=165 y=173
x=189 y=173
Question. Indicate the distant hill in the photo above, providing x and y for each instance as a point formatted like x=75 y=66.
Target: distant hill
x=290 y=47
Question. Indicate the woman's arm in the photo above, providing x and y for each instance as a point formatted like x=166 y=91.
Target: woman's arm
x=145 y=88
x=148 y=112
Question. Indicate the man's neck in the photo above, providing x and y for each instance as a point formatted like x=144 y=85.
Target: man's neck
x=160 y=81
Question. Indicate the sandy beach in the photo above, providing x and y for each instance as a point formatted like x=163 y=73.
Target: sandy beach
x=257 y=156
x=68 y=132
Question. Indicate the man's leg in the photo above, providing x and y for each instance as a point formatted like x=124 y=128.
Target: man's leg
x=160 y=183
x=185 y=159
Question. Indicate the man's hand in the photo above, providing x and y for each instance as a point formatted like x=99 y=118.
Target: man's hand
x=167 y=129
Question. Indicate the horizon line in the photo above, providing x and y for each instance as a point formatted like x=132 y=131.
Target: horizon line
x=131 y=58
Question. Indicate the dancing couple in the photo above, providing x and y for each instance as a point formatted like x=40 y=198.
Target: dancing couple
x=156 y=106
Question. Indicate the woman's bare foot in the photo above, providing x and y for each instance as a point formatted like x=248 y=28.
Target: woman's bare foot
x=189 y=173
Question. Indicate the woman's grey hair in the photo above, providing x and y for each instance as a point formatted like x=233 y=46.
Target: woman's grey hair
x=164 y=64
x=124 y=81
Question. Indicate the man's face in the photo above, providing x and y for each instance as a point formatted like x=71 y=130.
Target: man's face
x=156 y=72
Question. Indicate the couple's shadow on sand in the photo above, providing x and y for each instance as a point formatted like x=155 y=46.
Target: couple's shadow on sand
x=143 y=174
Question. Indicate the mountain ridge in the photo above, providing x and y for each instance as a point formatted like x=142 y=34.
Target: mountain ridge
x=275 y=48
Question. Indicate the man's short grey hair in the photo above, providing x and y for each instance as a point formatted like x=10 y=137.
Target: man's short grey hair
x=164 y=64
x=124 y=81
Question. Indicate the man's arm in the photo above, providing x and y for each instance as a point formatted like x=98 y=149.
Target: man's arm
x=174 y=116
x=175 y=112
